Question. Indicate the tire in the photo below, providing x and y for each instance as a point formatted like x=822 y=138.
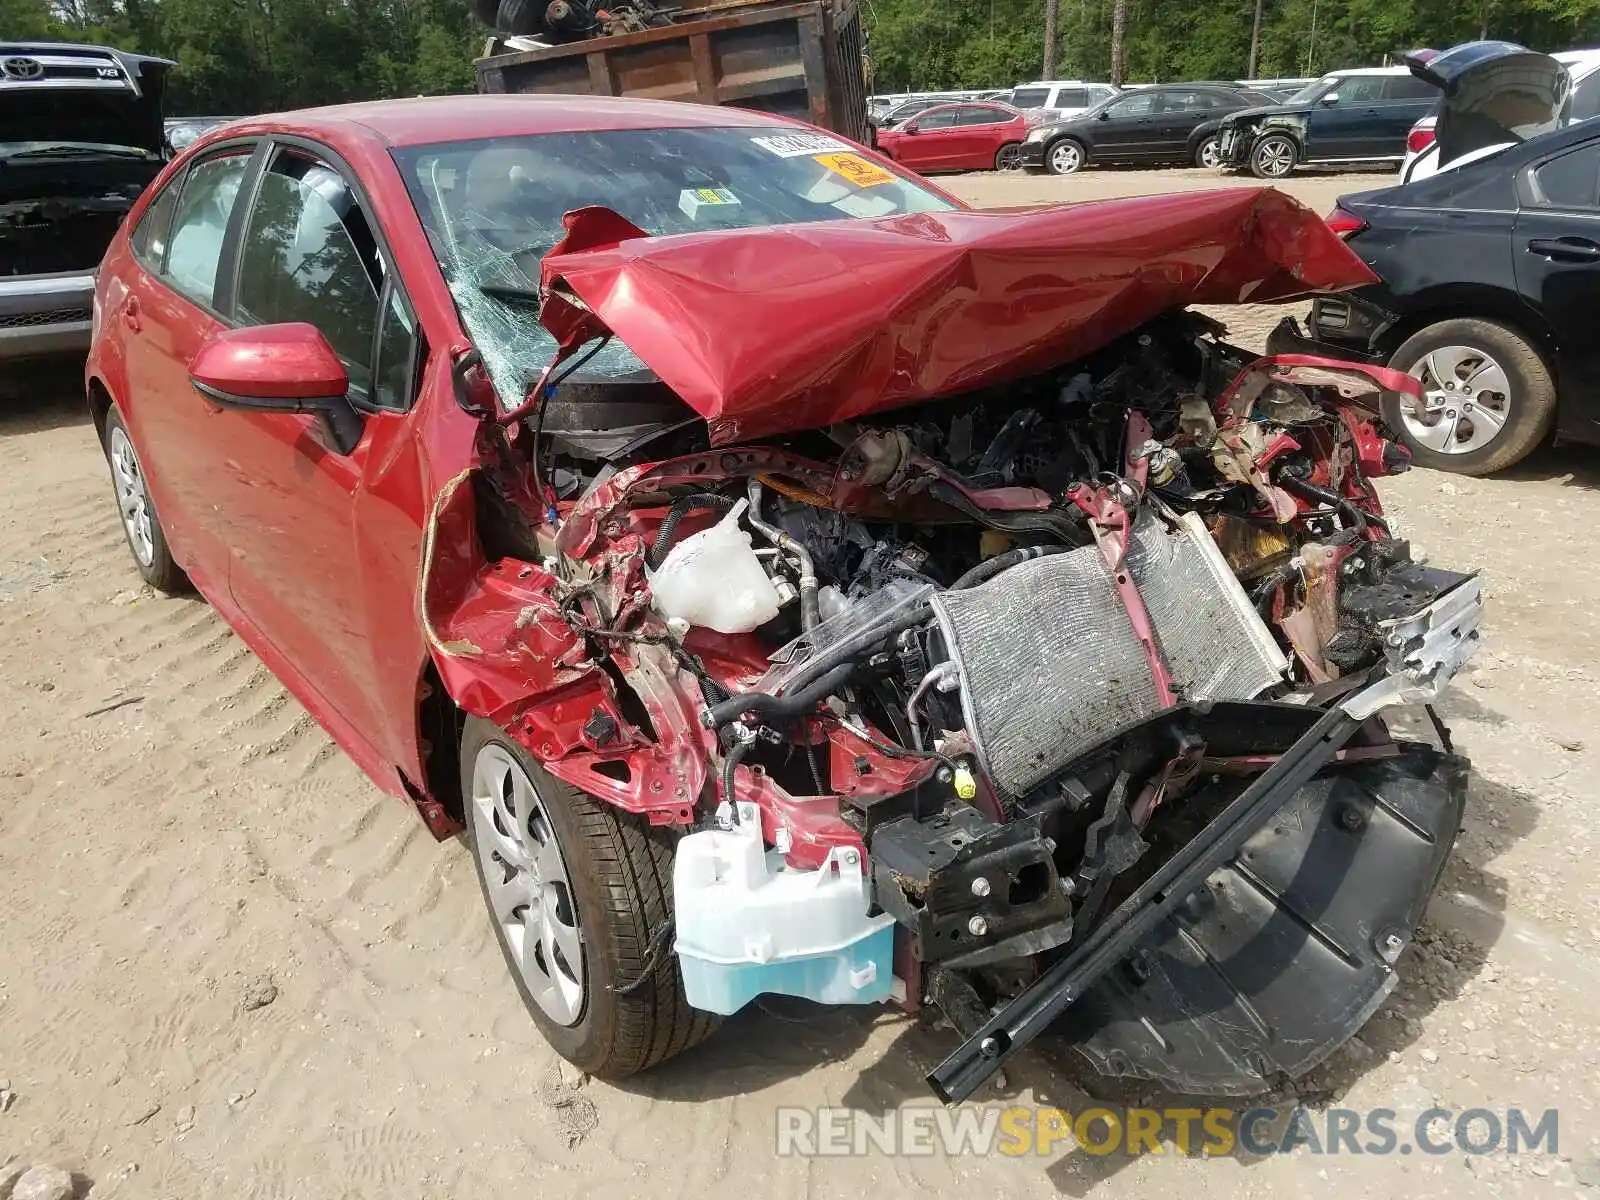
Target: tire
x=1208 y=153
x=1065 y=156
x=517 y=18
x=1501 y=380
x=1274 y=157
x=147 y=541
x=617 y=893
x=1009 y=157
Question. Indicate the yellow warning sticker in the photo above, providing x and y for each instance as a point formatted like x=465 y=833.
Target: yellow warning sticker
x=856 y=169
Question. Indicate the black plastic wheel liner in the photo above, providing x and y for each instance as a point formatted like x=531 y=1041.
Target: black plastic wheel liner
x=1286 y=951
x=1310 y=888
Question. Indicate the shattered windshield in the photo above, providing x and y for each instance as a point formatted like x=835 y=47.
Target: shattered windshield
x=492 y=209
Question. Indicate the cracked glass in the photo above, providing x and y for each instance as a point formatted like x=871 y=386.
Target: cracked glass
x=492 y=208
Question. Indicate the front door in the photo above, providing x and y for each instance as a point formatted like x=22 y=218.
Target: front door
x=1348 y=122
x=1557 y=255
x=297 y=514
x=170 y=304
x=979 y=125
x=935 y=145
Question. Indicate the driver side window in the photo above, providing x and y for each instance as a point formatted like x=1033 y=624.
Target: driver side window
x=1360 y=89
x=309 y=255
x=1141 y=105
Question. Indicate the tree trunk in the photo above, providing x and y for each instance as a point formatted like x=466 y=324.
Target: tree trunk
x=1119 y=41
x=1052 y=19
x=1255 y=43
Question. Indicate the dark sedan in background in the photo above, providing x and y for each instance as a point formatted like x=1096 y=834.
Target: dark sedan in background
x=1491 y=279
x=1174 y=123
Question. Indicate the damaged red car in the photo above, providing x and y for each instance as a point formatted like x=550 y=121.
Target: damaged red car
x=793 y=581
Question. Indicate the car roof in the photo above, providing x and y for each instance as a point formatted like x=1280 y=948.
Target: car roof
x=1063 y=83
x=1366 y=71
x=427 y=119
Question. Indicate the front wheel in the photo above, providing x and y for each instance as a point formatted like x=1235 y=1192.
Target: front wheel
x=1209 y=153
x=1064 y=158
x=579 y=894
x=1274 y=157
x=1487 y=397
x=1009 y=157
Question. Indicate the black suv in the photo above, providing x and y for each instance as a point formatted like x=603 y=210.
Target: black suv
x=1344 y=117
x=80 y=137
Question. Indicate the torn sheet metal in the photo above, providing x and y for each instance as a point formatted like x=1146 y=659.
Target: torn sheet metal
x=771 y=330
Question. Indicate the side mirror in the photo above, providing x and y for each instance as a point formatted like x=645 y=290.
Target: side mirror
x=1104 y=115
x=1331 y=98
x=909 y=127
x=288 y=368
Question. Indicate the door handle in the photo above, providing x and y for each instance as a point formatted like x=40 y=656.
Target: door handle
x=130 y=314
x=1572 y=249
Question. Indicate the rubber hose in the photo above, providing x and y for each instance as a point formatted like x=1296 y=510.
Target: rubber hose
x=681 y=508
x=990 y=567
x=845 y=652
x=791 y=704
x=735 y=755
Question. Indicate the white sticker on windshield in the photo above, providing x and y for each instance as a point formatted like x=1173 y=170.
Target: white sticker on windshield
x=794 y=145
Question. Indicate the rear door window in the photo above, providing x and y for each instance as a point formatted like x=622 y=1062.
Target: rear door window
x=149 y=240
x=1180 y=102
x=309 y=255
x=194 y=248
x=1033 y=97
x=981 y=114
x=1570 y=181
x=1072 y=98
x=939 y=118
x=1409 y=87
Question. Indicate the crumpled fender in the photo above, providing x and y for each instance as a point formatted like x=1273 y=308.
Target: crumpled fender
x=772 y=330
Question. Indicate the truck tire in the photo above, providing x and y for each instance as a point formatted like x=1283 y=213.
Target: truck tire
x=566 y=876
x=517 y=18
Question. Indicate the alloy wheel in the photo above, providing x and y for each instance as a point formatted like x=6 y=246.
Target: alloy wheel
x=1009 y=158
x=1275 y=158
x=133 y=500
x=1466 y=400
x=1211 y=152
x=529 y=889
x=1065 y=158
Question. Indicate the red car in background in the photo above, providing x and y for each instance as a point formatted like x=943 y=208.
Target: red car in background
x=958 y=137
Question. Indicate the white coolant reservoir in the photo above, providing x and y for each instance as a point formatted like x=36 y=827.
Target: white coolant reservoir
x=714 y=579
x=749 y=924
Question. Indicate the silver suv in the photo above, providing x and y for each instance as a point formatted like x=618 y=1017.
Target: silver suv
x=80 y=137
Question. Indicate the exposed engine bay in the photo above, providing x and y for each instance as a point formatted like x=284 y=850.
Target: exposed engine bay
x=1025 y=653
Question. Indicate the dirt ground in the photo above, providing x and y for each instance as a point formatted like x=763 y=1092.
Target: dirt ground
x=175 y=832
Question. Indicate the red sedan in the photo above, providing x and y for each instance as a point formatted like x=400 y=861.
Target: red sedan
x=958 y=137
x=684 y=502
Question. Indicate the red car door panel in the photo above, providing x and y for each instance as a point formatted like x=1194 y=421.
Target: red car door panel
x=299 y=541
x=174 y=428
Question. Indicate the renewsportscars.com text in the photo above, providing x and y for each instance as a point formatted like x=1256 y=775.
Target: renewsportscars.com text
x=1017 y=1131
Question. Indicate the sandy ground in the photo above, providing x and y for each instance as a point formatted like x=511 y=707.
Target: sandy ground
x=160 y=859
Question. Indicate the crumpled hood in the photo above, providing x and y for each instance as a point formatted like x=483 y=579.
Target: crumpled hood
x=772 y=330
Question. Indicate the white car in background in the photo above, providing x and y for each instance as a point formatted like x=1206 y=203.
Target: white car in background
x=1059 y=98
x=1581 y=102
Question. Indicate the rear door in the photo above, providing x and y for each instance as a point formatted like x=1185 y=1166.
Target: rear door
x=1127 y=127
x=1406 y=100
x=1181 y=110
x=171 y=308
x=1557 y=255
x=981 y=128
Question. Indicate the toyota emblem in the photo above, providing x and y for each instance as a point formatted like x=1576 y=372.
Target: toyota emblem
x=22 y=68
